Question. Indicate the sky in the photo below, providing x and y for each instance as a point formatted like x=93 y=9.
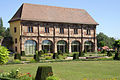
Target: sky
x=104 y=12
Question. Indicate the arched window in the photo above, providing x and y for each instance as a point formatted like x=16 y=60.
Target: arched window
x=88 y=46
x=62 y=46
x=30 y=47
x=75 y=46
x=47 y=45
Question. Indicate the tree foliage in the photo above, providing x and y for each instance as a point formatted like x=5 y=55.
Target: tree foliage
x=103 y=39
x=4 y=55
x=1 y=22
x=3 y=31
x=117 y=44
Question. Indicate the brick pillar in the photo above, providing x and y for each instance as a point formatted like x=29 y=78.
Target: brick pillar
x=40 y=46
x=55 y=48
x=95 y=39
x=95 y=44
x=82 y=46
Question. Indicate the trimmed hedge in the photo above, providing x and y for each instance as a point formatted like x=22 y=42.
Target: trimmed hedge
x=22 y=53
x=55 y=56
x=75 y=56
x=40 y=52
x=43 y=72
x=109 y=53
x=81 y=54
x=36 y=57
x=17 y=56
x=60 y=52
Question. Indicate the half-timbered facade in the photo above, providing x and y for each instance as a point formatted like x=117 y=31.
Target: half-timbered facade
x=40 y=27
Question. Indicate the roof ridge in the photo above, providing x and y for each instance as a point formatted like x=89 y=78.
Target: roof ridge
x=52 y=6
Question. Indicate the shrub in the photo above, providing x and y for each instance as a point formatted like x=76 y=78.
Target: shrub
x=67 y=51
x=62 y=56
x=22 y=53
x=32 y=61
x=17 y=61
x=75 y=56
x=52 y=78
x=36 y=57
x=40 y=52
x=81 y=54
x=45 y=51
x=85 y=51
x=55 y=56
x=43 y=72
x=4 y=55
x=17 y=56
x=117 y=56
x=48 y=58
x=109 y=53
x=59 y=52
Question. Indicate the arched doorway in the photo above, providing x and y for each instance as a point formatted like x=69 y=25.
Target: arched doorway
x=47 y=45
x=30 y=47
x=75 y=46
x=89 y=46
x=62 y=46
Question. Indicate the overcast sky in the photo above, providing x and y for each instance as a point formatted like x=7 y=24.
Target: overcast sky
x=105 y=12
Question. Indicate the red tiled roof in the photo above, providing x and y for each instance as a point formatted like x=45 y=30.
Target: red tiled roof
x=45 y=13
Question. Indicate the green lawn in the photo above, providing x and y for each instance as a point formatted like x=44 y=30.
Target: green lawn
x=74 y=70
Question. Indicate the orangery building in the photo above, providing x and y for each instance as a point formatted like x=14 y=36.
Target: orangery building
x=40 y=27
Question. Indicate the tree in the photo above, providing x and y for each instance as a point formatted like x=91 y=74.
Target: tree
x=2 y=29
x=4 y=55
x=108 y=41
x=7 y=32
x=101 y=43
x=117 y=44
x=1 y=22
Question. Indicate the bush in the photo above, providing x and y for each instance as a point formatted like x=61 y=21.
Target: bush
x=75 y=56
x=43 y=72
x=85 y=51
x=48 y=58
x=40 y=52
x=81 y=54
x=67 y=51
x=4 y=55
x=17 y=61
x=32 y=61
x=22 y=53
x=52 y=78
x=17 y=56
x=55 y=56
x=62 y=56
x=117 y=56
x=60 y=52
x=109 y=53
x=45 y=51
x=36 y=57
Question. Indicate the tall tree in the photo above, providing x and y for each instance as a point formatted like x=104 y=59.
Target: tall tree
x=108 y=41
x=1 y=22
x=2 y=29
x=7 y=32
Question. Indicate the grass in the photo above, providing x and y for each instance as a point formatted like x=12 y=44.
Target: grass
x=74 y=70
